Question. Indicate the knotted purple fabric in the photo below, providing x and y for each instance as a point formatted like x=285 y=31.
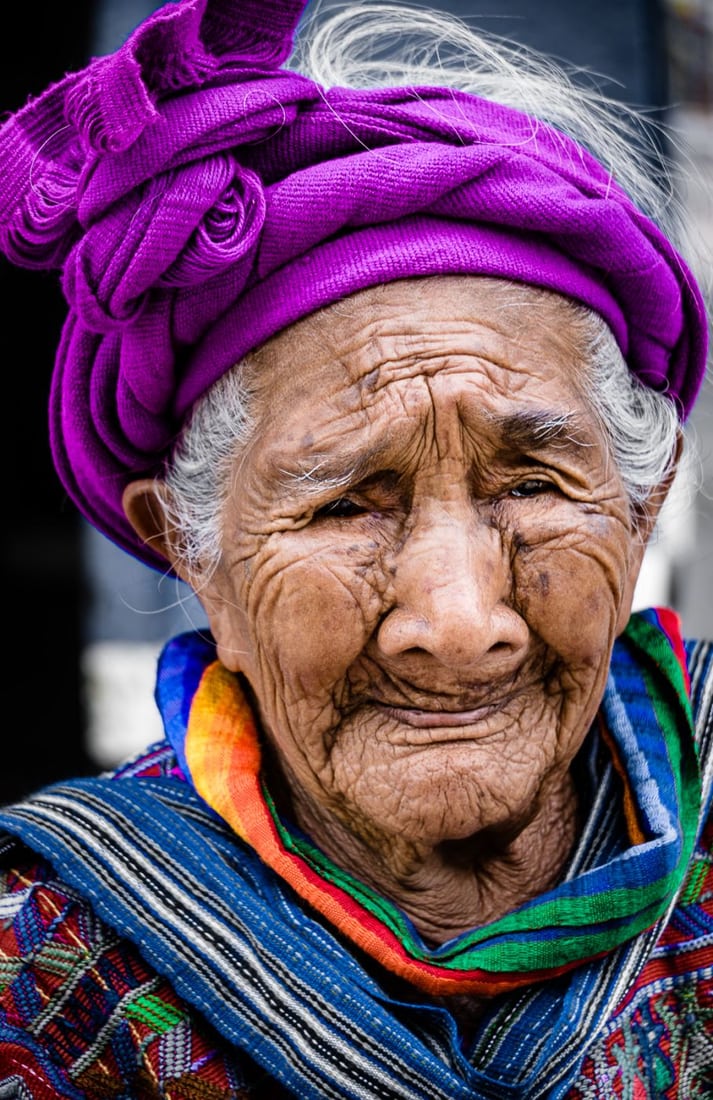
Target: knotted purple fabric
x=198 y=198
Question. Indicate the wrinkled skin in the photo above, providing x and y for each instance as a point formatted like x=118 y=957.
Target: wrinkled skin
x=423 y=590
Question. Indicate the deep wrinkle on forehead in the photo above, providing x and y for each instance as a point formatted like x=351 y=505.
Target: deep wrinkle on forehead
x=378 y=335
x=518 y=394
x=482 y=318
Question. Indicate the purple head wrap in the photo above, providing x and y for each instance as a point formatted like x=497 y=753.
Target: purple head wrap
x=198 y=198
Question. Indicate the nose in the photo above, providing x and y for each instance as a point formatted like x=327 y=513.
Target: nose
x=452 y=580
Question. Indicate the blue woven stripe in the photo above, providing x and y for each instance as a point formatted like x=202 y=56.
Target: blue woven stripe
x=268 y=979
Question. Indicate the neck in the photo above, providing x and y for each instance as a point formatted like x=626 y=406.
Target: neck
x=448 y=888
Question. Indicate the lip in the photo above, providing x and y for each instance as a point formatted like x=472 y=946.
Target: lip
x=438 y=719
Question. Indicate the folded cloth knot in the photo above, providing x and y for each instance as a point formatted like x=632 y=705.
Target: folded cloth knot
x=198 y=198
x=178 y=229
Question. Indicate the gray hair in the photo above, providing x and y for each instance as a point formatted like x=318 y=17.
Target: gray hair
x=354 y=46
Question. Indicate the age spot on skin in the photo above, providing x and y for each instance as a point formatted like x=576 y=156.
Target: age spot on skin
x=369 y=382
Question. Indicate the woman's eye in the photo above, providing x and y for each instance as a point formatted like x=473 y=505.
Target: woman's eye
x=341 y=508
x=532 y=487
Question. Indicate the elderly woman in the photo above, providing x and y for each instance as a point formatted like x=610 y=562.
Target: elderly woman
x=394 y=376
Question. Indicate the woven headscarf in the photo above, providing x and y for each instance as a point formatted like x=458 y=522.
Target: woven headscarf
x=198 y=198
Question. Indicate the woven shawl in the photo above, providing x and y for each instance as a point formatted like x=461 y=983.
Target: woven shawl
x=238 y=943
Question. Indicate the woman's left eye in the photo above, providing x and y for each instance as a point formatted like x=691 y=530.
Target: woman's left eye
x=341 y=508
x=532 y=487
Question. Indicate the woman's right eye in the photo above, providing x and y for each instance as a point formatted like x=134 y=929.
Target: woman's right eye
x=341 y=508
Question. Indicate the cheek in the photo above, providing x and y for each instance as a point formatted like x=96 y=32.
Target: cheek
x=311 y=615
x=571 y=588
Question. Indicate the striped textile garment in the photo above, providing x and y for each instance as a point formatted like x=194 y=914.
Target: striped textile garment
x=152 y=946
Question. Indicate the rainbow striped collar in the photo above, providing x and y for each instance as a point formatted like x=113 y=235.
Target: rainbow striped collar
x=646 y=729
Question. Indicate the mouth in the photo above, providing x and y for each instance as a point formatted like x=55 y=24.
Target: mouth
x=475 y=708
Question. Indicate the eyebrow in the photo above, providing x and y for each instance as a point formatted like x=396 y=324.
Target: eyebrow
x=322 y=472
x=539 y=431
x=520 y=432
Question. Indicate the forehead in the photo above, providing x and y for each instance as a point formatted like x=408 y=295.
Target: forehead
x=478 y=341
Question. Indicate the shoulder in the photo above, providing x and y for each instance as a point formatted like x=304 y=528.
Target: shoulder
x=699 y=662
x=663 y=1029
x=81 y=1011
x=699 y=655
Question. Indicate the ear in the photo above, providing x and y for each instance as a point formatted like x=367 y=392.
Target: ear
x=144 y=505
x=645 y=520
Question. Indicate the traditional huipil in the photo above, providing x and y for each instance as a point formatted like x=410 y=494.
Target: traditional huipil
x=165 y=931
x=176 y=923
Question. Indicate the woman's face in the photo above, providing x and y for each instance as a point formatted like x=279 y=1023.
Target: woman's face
x=428 y=554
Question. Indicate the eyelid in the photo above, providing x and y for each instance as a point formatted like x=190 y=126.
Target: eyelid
x=541 y=482
x=331 y=507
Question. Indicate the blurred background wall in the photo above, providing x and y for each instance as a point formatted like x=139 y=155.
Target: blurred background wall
x=86 y=622
x=43 y=731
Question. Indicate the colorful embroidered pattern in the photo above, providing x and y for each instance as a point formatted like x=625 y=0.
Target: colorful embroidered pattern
x=659 y=1045
x=83 y=1015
